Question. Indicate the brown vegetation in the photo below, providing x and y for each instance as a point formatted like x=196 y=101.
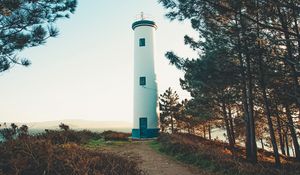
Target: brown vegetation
x=215 y=156
x=66 y=136
x=115 y=136
x=60 y=152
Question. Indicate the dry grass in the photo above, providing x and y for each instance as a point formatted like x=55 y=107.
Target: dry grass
x=115 y=136
x=60 y=152
x=215 y=156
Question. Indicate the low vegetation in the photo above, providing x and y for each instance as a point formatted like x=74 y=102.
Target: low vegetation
x=59 y=152
x=216 y=157
x=67 y=136
x=115 y=136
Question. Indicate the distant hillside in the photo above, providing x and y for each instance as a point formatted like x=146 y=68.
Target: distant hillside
x=79 y=124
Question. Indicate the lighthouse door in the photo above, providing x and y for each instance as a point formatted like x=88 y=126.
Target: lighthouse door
x=143 y=127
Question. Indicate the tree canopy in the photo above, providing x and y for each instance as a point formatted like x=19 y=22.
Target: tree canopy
x=248 y=67
x=28 y=23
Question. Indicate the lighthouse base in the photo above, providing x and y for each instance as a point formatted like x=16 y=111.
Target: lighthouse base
x=145 y=133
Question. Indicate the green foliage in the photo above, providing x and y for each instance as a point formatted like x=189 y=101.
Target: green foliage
x=155 y=145
x=96 y=143
x=247 y=69
x=27 y=23
x=169 y=110
x=106 y=144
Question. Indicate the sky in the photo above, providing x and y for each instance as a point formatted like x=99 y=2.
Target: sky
x=87 y=71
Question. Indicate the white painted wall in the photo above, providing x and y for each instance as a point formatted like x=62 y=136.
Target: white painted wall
x=145 y=98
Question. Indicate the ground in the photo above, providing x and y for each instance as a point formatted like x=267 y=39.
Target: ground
x=150 y=160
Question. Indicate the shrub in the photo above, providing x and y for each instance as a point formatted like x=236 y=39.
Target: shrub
x=64 y=127
x=14 y=132
x=39 y=156
x=67 y=136
x=58 y=152
x=213 y=156
x=115 y=136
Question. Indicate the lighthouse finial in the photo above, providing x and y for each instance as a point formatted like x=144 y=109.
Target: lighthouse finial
x=142 y=16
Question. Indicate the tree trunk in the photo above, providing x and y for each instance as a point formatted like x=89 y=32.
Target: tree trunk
x=250 y=109
x=204 y=132
x=247 y=94
x=262 y=144
x=293 y=151
x=231 y=124
x=172 y=124
x=296 y=28
x=287 y=143
x=270 y=125
x=209 y=131
x=246 y=113
x=249 y=88
x=279 y=130
x=244 y=97
x=272 y=133
x=267 y=106
x=293 y=133
x=231 y=143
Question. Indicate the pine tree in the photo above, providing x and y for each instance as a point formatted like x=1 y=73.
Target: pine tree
x=169 y=110
x=28 y=23
x=252 y=50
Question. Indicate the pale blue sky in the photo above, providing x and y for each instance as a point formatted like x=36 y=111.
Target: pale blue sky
x=87 y=71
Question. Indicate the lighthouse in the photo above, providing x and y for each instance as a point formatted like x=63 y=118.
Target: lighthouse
x=145 y=121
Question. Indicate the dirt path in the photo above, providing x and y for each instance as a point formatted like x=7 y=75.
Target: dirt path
x=154 y=163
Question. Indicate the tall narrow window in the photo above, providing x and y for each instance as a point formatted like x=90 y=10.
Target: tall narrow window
x=142 y=42
x=142 y=81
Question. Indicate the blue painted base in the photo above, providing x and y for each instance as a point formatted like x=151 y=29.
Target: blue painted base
x=148 y=133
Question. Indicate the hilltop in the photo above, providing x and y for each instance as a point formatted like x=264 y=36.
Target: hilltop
x=79 y=124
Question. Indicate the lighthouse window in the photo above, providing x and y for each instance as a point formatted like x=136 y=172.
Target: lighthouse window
x=142 y=42
x=142 y=81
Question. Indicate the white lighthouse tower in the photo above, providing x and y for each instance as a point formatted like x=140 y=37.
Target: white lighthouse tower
x=145 y=86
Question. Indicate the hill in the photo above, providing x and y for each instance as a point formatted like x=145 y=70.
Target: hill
x=80 y=124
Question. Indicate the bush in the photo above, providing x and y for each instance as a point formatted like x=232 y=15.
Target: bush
x=115 y=136
x=13 y=132
x=59 y=152
x=69 y=136
x=34 y=156
x=213 y=156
